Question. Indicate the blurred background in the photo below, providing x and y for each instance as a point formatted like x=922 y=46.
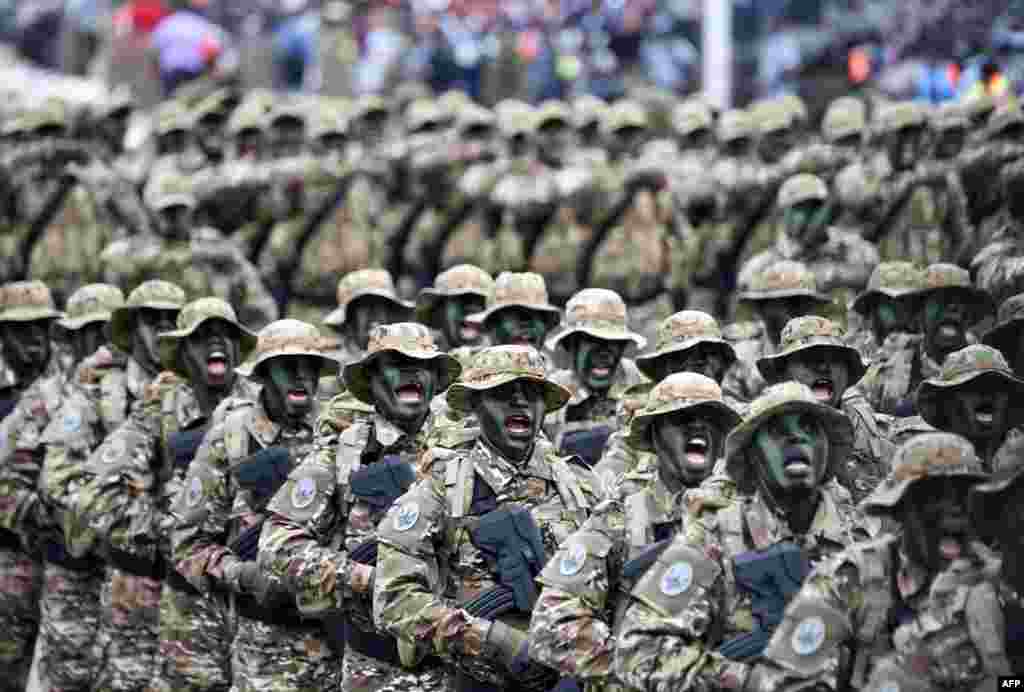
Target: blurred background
x=932 y=50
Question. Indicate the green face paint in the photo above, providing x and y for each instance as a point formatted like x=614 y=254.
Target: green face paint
x=794 y=454
x=402 y=387
x=457 y=331
x=596 y=361
x=519 y=326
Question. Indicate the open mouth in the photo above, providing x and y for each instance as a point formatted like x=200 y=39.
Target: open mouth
x=985 y=414
x=469 y=332
x=796 y=463
x=298 y=396
x=217 y=365
x=953 y=539
x=697 y=448
x=949 y=330
x=517 y=425
x=410 y=393
x=601 y=371
x=823 y=389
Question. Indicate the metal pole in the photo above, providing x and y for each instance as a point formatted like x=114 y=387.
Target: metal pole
x=716 y=27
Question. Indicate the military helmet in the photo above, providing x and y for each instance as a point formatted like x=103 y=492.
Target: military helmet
x=155 y=295
x=91 y=303
x=682 y=391
x=498 y=365
x=845 y=116
x=889 y=280
x=801 y=188
x=27 y=301
x=681 y=332
x=289 y=338
x=190 y=318
x=807 y=332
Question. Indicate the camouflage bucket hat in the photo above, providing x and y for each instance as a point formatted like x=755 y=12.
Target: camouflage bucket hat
x=784 y=279
x=492 y=367
x=368 y=105
x=978 y=104
x=975 y=362
x=600 y=313
x=289 y=338
x=553 y=112
x=779 y=400
x=683 y=391
x=845 y=116
x=690 y=116
x=423 y=112
x=734 y=124
x=950 y=278
x=897 y=116
x=362 y=283
x=91 y=303
x=246 y=117
x=409 y=339
x=681 y=332
x=929 y=455
x=950 y=116
x=624 y=114
x=169 y=189
x=1006 y=333
x=520 y=290
x=807 y=332
x=588 y=110
x=472 y=116
x=27 y=301
x=172 y=116
x=795 y=106
x=155 y=295
x=801 y=188
x=53 y=112
x=771 y=116
x=191 y=317
x=889 y=280
x=460 y=280
x=117 y=100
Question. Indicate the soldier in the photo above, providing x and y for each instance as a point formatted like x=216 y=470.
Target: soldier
x=588 y=113
x=812 y=353
x=25 y=318
x=323 y=517
x=705 y=596
x=949 y=126
x=69 y=603
x=520 y=312
x=840 y=260
x=950 y=306
x=219 y=514
x=889 y=307
x=457 y=293
x=488 y=517
x=996 y=144
x=145 y=452
x=595 y=336
x=1006 y=336
x=176 y=147
x=998 y=264
x=366 y=299
x=586 y=584
x=783 y=291
x=883 y=593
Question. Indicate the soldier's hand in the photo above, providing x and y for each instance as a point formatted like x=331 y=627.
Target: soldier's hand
x=247 y=578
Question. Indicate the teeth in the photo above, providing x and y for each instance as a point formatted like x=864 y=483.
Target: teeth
x=601 y=372
x=469 y=332
x=984 y=417
x=698 y=442
x=948 y=331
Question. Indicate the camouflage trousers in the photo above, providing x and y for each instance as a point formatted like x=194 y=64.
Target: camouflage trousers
x=365 y=674
x=195 y=642
x=21 y=579
x=129 y=632
x=274 y=658
x=69 y=618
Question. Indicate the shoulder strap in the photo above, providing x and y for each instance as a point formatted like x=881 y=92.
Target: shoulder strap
x=638 y=521
x=237 y=440
x=458 y=480
x=569 y=486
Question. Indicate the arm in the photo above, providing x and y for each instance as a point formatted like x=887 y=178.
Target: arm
x=21 y=508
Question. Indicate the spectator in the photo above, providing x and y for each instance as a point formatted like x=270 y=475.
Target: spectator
x=185 y=45
x=295 y=47
x=82 y=32
x=382 y=62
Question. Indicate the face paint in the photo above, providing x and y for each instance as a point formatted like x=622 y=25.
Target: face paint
x=249 y=144
x=1013 y=187
x=774 y=146
x=687 y=445
x=456 y=329
x=510 y=417
x=706 y=359
x=849 y=142
x=26 y=345
x=904 y=147
x=595 y=361
x=518 y=326
x=289 y=139
x=827 y=374
x=737 y=148
x=1010 y=534
x=149 y=323
x=808 y=221
x=945 y=324
x=86 y=340
x=627 y=141
x=290 y=388
x=977 y=412
x=793 y=450
x=211 y=354
x=175 y=222
x=936 y=527
x=556 y=141
x=402 y=387
x=368 y=312
x=698 y=140
x=893 y=315
x=776 y=312
x=950 y=143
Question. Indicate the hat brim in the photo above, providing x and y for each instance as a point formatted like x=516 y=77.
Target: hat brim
x=1003 y=337
x=552 y=315
x=638 y=436
x=985 y=509
x=755 y=296
x=339 y=315
x=250 y=369
x=981 y=302
x=772 y=368
x=176 y=200
x=430 y=298
x=167 y=344
x=886 y=501
x=648 y=364
x=460 y=394
x=122 y=322
x=75 y=323
x=864 y=302
x=29 y=314
x=357 y=375
x=930 y=394
x=602 y=334
x=837 y=427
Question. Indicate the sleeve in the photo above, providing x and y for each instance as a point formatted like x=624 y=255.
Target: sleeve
x=21 y=509
x=618 y=459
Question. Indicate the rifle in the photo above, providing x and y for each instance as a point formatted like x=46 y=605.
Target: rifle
x=395 y=263
x=40 y=224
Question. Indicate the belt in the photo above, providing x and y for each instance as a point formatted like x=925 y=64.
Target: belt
x=177 y=582
x=248 y=607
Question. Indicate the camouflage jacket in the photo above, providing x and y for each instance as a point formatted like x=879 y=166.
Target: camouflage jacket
x=928 y=219
x=868 y=462
x=428 y=564
x=743 y=381
x=688 y=601
x=626 y=375
x=999 y=266
x=890 y=383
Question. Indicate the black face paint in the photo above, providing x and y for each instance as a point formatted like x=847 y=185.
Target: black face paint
x=776 y=312
x=517 y=326
x=978 y=412
x=210 y=355
x=402 y=388
x=289 y=138
x=87 y=339
x=1009 y=532
x=596 y=361
x=687 y=444
x=148 y=324
x=706 y=359
x=892 y=315
x=794 y=451
x=290 y=386
x=808 y=221
x=821 y=369
x=905 y=147
x=936 y=527
x=945 y=324
x=510 y=417
x=456 y=329
x=175 y=222
x=950 y=143
x=773 y=146
x=368 y=312
x=26 y=346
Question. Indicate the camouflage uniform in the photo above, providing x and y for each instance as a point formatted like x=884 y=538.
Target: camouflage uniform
x=212 y=512
x=586 y=584
x=21 y=566
x=1005 y=334
x=751 y=340
x=69 y=603
x=460 y=280
x=860 y=604
x=317 y=520
x=600 y=314
x=991 y=145
x=428 y=569
x=999 y=265
x=356 y=285
x=205 y=265
x=687 y=602
x=624 y=470
x=888 y=280
x=890 y=382
x=867 y=463
x=842 y=264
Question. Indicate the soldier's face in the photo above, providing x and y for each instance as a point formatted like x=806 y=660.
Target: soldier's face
x=905 y=147
x=776 y=312
x=290 y=387
x=738 y=147
x=402 y=387
x=211 y=135
x=556 y=141
x=936 y=527
x=518 y=326
x=849 y=142
x=366 y=313
x=511 y=415
x=821 y=369
x=705 y=359
x=774 y=145
x=26 y=344
x=1013 y=185
x=794 y=451
x=628 y=141
x=949 y=143
x=86 y=340
x=978 y=412
x=175 y=221
x=149 y=323
x=807 y=221
x=289 y=138
x=701 y=210
x=893 y=315
x=699 y=140
x=596 y=361
x=249 y=144
x=687 y=444
x=115 y=127
x=945 y=324
x=174 y=143
x=211 y=354
x=456 y=329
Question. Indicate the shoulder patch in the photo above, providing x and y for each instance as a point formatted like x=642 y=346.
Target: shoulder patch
x=407 y=515
x=572 y=560
x=808 y=634
x=680 y=574
x=303 y=492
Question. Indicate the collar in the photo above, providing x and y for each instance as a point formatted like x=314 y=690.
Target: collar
x=767 y=526
x=388 y=434
x=498 y=472
x=667 y=505
x=136 y=378
x=911 y=577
